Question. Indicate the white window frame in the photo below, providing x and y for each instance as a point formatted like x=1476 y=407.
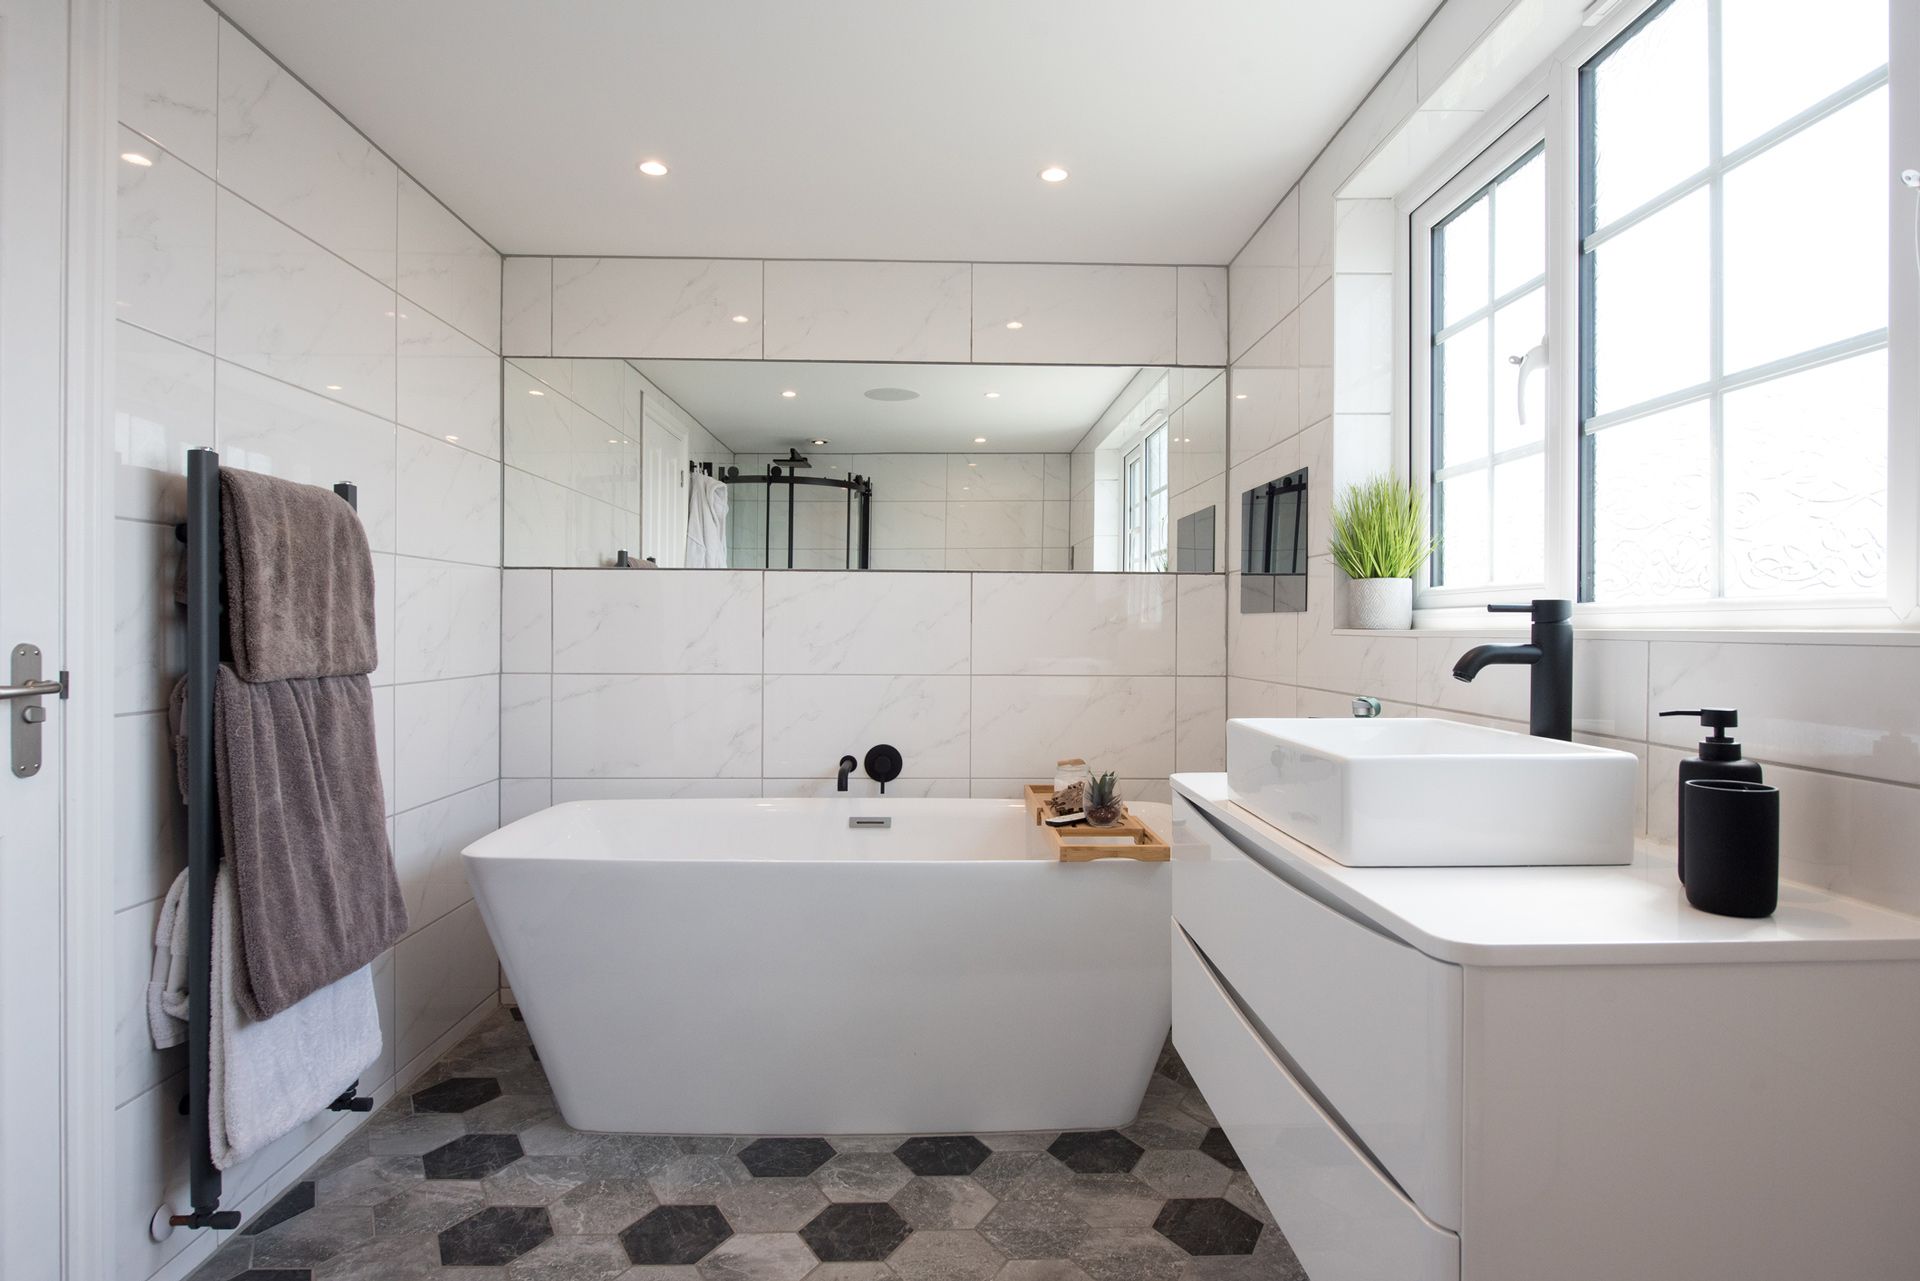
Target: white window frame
x=1137 y=554
x=1554 y=89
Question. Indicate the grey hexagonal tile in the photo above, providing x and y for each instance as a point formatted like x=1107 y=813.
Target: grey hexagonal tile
x=759 y=1256
x=1208 y=1225
x=675 y=1234
x=862 y=1176
x=494 y=1236
x=785 y=1158
x=1033 y=1229
x=943 y=1154
x=696 y=1180
x=472 y=1156
x=944 y=1202
x=601 y=1207
x=456 y=1094
x=771 y=1205
x=1129 y=1254
x=1096 y=1152
x=1216 y=1145
x=855 y=1232
x=428 y=1206
x=313 y=1237
x=1183 y=1173
x=297 y=1199
x=946 y=1256
x=571 y=1258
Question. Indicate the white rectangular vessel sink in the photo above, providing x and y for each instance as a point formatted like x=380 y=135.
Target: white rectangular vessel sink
x=1413 y=792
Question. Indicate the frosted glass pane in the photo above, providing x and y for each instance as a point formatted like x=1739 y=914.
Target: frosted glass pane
x=1806 y=238
x=1519 y=327
x=1460 y=249
x=1806 y=460
x=1779 y=57
x=1519 y=520
x=1460 y=366
x=1520 y=226
x=1650 y=111
x=1652 y=512
x=1651 y=307
x=1463 y=531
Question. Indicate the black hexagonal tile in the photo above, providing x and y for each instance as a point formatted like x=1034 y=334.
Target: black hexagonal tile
x=297 y=1199
x=785 y=1158
x=473 y=1156
x=675 y=1234
x=1220 y=1149
x=1208 y=1225
x=457 y=1094
x=855 y=1232
x=275 y=1274
x=1096 y=1152
x=494 y=1236
x=943 y=1154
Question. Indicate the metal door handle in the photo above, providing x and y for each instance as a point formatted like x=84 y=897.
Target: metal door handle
x=35 y=689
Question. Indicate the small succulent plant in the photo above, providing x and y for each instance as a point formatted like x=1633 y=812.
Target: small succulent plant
x=1103 y=800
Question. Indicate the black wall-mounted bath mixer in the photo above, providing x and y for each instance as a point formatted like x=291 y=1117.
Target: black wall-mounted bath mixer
x=847 y=766
x=883 y=765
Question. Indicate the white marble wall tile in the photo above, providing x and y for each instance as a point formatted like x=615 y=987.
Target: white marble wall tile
x=383 y=742
x=812 y=721
x=446 y=738
x=448 y=620
x=1131 y=789
x=520 y=797
x=446 y=268
x=449 y=504
x=163 y=267
x=898 y=526
x=1264 y=280
x=1200 y=704
x=1316 y=354
x=1054 y=526
x=681 y=622
x=867 y=624
x=1199 y=449
x=289 y=153
x=972 y=525
x=526 y=620
x=137 y=1067
x=1074 y=314
x=386 y=613
x=1202 y=327
x=1200 y=612
x=1382 y=665
x=168 y=90
x=859 y=787
x=526 y=306
x=868 y=311
x=1264 y=392
x=291 y=309
x=1262 y=647
x=996 y=477
x=1082 y=625
x=526 y=726
x=1247 y=697
x=1335 y=703
x=997 y=560
x=656 y=726
x=148 y=636
x=1023 y=724
x=567 y=790
x=551 y=525
x=909 y=559
x=264 y=425
x=663 y=308
x=147 y=818
x=162 y=407
x=441 y=974
x=1363 y=342
x=1059 y=477
x=449 y=385
x=905 y=478
x=1851 y=709
x=426 y=851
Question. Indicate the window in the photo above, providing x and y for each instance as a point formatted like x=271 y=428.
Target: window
x=1697 y=214
x=1146 y=490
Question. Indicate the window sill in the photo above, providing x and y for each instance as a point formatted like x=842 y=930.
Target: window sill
x=1758 y=635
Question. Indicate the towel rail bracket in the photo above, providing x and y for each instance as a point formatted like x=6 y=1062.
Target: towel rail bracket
x=218 y=1220
x=351 y=1100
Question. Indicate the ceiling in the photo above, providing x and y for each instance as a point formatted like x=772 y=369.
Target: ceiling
x=1040 y=408
x=848 y=128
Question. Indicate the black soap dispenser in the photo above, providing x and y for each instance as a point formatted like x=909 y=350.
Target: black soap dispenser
x=1719 y=758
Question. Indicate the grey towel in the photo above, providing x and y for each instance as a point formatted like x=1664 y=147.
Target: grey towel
x=299 y=580
x=303 y=820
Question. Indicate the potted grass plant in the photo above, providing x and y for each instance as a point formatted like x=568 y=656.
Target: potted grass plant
x=1380 y=541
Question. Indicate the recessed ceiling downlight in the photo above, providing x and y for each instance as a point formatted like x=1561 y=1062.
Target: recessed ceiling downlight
x=820 y=440
x=135 y=158
x=891 y=393
x=979 y=440
x=1053 y=173
x=1014 y=324
x=993 y=395
x=789 y=394
x=653 y=168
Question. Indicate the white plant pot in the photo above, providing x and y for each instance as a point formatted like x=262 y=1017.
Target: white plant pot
x=1380 y=604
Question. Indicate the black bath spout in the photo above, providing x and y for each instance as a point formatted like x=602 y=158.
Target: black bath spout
x=847 y=766
x=1549 y=654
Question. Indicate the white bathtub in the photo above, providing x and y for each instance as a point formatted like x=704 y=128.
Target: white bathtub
x=760 y=967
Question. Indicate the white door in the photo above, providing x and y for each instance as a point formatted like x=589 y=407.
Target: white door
x=663 y=489
x=55 y=1047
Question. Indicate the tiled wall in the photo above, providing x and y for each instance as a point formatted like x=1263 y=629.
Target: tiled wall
x=684 y=308
x=929 y=511
x=289 y=297
x=741 y=683
x=1836 y=721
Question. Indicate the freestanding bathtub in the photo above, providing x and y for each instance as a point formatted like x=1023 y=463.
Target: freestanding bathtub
x=774 y=967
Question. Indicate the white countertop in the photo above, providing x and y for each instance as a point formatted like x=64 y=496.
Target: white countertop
x=1634 y=914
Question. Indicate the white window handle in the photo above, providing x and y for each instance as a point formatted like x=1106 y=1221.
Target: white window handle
x=1535 y=359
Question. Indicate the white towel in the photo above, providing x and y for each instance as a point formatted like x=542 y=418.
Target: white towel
x=265 y=1076
x=707 y=523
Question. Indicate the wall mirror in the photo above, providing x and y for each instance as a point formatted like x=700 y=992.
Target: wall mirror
x=821 y=465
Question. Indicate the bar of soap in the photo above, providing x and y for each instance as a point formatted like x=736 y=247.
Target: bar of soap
x=1066 y=820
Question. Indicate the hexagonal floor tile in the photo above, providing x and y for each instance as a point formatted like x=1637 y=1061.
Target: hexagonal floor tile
x=1096 y=1152
x=675 y=1234
x=457 y=1094
x=275 y=1274
x=494 y=1236
x=785 y=1158
x=1217 y=1146
x=1208 y=1225
x=297 y=1199
x=855 y=1232
x=473 y=1157
x=944 y=1154
x=862 y=1176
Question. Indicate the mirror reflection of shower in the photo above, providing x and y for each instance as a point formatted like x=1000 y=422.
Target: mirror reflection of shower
x=781 y=518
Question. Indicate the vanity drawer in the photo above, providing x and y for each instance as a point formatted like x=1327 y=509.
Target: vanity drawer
x=1344 y=1219
x=1368 y=1024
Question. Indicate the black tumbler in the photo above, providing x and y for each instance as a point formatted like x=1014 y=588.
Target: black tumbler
x=1733 y=846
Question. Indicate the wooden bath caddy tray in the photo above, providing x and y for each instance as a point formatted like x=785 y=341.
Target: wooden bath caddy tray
x=1129 y=838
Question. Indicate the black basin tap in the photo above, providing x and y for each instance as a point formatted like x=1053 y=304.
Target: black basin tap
x=1549 y=653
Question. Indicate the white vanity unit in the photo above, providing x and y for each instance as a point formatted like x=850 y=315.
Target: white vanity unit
x=1547 y=1073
